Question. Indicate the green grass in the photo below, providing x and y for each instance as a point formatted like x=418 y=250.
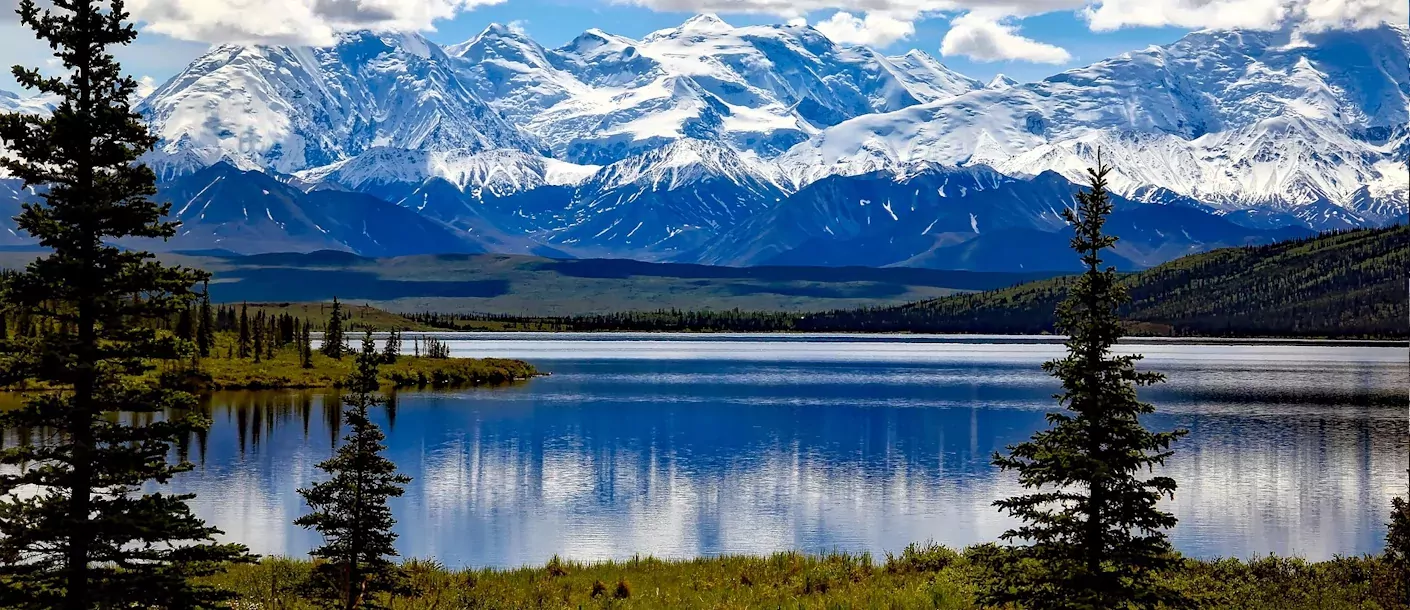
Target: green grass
x=923 y=576
x=285 y=370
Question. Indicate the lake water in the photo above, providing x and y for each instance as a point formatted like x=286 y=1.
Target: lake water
x=689 y=446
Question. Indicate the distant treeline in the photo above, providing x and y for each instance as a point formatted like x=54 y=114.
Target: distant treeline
x=665 y=320
x=1349 y=284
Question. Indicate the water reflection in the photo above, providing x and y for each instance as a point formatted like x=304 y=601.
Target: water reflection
x=613 y=456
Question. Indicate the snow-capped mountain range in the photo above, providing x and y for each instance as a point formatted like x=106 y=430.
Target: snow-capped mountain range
x=1235 y=119
x=735 y=145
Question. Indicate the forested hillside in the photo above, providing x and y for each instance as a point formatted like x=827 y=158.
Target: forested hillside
x=1348 y=284
x=1345 y=284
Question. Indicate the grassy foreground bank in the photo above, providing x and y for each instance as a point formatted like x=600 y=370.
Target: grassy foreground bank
x=923 y=576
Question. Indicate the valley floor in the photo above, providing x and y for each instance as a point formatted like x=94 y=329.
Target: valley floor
x=923 y=576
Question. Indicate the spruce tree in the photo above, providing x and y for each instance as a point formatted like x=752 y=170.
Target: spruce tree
x=333 y=342
x=81 y=523
x=244 y=337
x=259 y=336
x=350 y=509
x=1094 y=535
x=392 y=350
x=272 y=340
x=306 y=346
x=205 y=330
x=186 y=325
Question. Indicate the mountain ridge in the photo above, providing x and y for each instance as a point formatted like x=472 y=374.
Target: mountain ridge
x=707 y=142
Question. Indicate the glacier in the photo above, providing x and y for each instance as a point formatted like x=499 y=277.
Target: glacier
x=708 y=142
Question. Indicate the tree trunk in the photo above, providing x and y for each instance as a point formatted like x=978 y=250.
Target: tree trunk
x=80 y=420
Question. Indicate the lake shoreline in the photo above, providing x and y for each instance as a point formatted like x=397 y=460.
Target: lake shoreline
x=284 y=372
x=327 y=373
x=470 y=335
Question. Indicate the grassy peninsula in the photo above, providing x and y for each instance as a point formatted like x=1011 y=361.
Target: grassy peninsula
x=921 y=577
x=285 y=372
x=283 y=369
x=269 y=346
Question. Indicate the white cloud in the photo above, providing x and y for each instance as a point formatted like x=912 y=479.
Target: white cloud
x=1105 y=15
x=877 y=29
x=1109 y=15
x=984 y=37
x=145 y=86
x=290 y=21
x=519 y=26
x=1323 y=14
x=899 y=9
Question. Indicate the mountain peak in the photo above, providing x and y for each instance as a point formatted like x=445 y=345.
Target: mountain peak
x=500 y=31
x=504 y=41
x=706 y=22
x=1000 y=81
x=594 y=39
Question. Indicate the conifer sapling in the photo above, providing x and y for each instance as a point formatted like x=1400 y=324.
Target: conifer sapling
x=244 y=336
x=205 y=331
x=1092 y=534
x=333 y=341
x=350 y=508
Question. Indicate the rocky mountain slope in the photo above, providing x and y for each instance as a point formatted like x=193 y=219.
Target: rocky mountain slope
x=1279 y=121
x=772 y=144
x=288 y=109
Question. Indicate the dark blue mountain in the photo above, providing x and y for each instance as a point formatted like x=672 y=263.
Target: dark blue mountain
x=964 y=218
x=223 y=207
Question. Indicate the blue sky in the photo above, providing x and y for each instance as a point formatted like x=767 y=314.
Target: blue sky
x=1025 y=39
x=555 y=22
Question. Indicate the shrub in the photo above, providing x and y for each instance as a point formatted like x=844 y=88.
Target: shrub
x=921 y=558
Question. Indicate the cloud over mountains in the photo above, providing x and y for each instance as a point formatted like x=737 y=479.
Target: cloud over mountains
x=981 y=30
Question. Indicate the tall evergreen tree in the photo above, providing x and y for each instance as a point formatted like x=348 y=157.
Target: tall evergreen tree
x=259 y=333
x=287 y=326
x=186 y=324
x=350 y=509
x=77 y=529
x=1092 y=527
x=244 y=336
x=333 y=341
x=392 y=350
x=306 y=346
x=205 y=329
x=271 y=338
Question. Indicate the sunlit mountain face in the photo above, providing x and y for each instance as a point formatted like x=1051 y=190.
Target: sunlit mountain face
x=692 y=141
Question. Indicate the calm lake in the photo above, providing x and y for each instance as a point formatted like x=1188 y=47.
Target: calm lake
x=681 y=446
